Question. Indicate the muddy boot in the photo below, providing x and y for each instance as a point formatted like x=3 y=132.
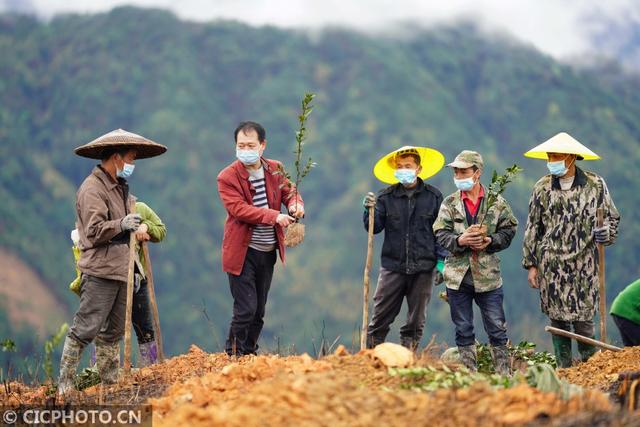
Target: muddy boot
x=562 y=349
x=410 y=343
x=501 y=360
x=468 y=357
x=373 y=341
x=69 y=361
x=586 y=350
x=108 y=361
x=148 y=354
x=93 y=355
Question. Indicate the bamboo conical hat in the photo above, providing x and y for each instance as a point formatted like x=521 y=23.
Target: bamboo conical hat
x=144 y=147
x=431 y=161
x=561 y=143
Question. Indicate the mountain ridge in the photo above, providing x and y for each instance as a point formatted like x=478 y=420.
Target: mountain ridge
x=186 y=85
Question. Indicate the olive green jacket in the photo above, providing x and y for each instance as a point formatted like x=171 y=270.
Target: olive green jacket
x=485 y=266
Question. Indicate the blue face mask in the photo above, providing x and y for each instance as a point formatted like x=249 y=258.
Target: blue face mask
x=126 y=171
x=248 y=157
x=405 y=176
x=464 y=184
x=557 y=168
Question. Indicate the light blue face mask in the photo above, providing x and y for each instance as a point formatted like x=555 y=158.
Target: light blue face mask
x=126 y=171
x=464 y=184
x=557 y=168
x=405 y=176
x=248 y=157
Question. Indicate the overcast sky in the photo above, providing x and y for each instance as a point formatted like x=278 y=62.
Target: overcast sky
x=558 y=27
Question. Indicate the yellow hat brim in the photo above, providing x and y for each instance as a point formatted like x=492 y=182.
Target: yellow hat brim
x=561 y=143
x=432 y=161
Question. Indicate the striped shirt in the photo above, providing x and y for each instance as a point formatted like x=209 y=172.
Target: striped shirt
x=264 y=236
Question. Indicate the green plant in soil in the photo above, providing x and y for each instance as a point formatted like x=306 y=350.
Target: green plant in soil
x=87 y=378
x=429 y=378
x=526 y=352
x=8 y=345
x=523 y=352
x=49 y=347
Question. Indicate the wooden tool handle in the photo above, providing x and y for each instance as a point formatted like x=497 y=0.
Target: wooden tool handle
x=601 y=280
x=152 y=300
x=367 y=271
x=130 y=278
x=586 y=340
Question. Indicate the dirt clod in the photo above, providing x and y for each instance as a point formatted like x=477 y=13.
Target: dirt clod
x=201 y=389
x=602 y=370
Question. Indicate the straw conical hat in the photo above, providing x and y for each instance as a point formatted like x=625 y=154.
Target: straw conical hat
x=145 y=148
x=431 y=161
x=561 y=143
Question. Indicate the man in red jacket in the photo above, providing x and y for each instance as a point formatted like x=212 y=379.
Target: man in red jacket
x=252 y=190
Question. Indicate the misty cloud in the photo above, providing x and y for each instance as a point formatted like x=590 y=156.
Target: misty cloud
x=559 y=27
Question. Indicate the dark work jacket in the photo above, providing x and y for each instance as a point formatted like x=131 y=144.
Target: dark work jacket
x=409 y=244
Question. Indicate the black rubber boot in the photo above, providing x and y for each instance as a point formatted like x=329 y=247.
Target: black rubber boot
x=562 y=349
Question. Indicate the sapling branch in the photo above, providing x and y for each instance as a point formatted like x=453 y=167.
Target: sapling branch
x=498 y=186
x=295 y=232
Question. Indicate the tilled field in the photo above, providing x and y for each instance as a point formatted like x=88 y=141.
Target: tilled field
x=200 y=389
x=601 y=371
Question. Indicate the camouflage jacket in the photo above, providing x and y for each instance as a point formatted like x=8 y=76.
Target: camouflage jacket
x=559 y=241
x=485 y=266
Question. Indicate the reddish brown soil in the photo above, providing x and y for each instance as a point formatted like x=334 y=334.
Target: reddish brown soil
x=200 y=389
x=602 y=370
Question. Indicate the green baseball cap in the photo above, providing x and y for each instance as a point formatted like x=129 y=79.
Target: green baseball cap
x=467 y=159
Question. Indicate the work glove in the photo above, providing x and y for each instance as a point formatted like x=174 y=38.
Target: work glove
x=75 y=237
x=602 y=234
x=131 y=222
x=369 y=200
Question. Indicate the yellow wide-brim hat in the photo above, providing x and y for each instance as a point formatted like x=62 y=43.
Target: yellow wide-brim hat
x=561 y=143
x=431 y=161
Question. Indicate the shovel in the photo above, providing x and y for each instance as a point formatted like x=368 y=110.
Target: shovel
x=581 y=338
x=152 y=300
x=367 y=270
x=133 y=247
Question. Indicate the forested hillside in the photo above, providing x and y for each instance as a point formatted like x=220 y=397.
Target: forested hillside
x=187 y=85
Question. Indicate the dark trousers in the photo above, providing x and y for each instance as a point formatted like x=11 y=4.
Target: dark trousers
x=562 y=345
x=391 y=290
x=102 y=310
x=586 y=328
x=141 y=315
x=249 y=291
x=629 y=331
x=493 y=319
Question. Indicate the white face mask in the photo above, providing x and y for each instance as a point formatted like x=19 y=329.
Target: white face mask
x=557 y=168
x=406 y=176
x=126 y=171
x=248 y=157
x=465 y=184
